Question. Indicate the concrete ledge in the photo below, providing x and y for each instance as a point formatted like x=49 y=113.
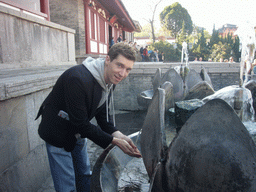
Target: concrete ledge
x=19 y=82
x=211 y=67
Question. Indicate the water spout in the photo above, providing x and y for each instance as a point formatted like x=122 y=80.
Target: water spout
x=184 y=51
x=246 y=34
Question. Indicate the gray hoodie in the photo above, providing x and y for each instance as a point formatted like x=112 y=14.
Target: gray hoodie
x=96 y=67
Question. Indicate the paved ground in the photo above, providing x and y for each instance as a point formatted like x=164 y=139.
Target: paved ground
x=127 y=122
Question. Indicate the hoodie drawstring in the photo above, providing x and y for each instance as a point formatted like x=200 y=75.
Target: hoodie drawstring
x=112 y=103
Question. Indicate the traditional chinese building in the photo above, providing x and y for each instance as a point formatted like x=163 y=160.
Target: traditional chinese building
x=227 y=29
x=95 y=22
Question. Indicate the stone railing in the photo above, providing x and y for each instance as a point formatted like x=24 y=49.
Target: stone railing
x=140 y=79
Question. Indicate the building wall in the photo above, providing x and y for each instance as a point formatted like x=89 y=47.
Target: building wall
x=28 y=41
x=70 y=13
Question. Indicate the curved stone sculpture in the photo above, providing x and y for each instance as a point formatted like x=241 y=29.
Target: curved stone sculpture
x=251 y=85
x=109 y=166
x=156 y=82
x=187 y=84
x=178 y=86
x=198 y=86
x=192 y=79
x=212 y=152
x=205 y=77
x=199 y=91
x=153 y=139
x=145 y=97
x=239 y=98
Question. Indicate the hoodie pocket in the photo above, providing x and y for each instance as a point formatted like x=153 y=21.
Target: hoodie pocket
x=53 y=129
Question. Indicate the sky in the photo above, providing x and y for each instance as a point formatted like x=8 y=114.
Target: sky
x=204 y=13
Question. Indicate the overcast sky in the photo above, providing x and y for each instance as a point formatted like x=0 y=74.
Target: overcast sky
x=204 y=13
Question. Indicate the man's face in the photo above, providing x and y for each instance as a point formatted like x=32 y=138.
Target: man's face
x=117 y=70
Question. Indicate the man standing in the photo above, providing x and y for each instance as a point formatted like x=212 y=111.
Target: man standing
x=81 y=93
x=145 y=53
x=119 y=39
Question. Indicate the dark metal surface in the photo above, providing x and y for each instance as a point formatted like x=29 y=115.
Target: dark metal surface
x=178 y=86
x=192 y=79
x=109 y=167
x=153 y=139
x=199 y=91
x=145 y=97
x=212 y=152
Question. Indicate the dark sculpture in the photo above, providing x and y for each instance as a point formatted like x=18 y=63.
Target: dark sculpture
x=186 y=84
x=212 y=152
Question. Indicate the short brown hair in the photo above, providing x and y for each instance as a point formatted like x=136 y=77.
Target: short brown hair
x=122 y=49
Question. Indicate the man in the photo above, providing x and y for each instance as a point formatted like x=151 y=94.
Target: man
x=81 y=93
x=145 y=53
x=119 y=39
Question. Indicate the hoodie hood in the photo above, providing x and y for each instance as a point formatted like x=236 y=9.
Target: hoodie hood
x=96 y=67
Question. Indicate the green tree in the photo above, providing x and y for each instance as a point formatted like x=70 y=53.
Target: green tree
x=182 y=36
x=200 y=49
x=220 y=50
x=172 y=18
x=214 y=38
x=235 y=49
x=170 y=54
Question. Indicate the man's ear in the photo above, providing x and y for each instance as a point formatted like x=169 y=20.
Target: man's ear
x=107 y=60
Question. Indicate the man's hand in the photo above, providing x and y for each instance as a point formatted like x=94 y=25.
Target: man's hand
x=125 y=144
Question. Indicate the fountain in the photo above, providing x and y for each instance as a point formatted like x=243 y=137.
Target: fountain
x=214 y=149
x=187 y=84
x=246 y=35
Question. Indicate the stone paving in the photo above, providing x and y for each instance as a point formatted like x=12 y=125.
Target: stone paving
x=127 y=122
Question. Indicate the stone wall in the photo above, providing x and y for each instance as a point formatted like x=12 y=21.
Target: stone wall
x=70 y=13
x=33 y=53
x=30 y=41
x=24 y=163
x=220 y=80
x=140 y=79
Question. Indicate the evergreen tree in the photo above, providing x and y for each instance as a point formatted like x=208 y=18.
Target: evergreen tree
x=235 y=49
x=200 y=49
x=214 y=38
x=219 y=51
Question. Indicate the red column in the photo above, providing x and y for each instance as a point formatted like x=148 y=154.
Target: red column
x=87 y=23
x=45 y=8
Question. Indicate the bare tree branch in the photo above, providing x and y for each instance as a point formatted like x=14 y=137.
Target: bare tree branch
x=151 y=21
